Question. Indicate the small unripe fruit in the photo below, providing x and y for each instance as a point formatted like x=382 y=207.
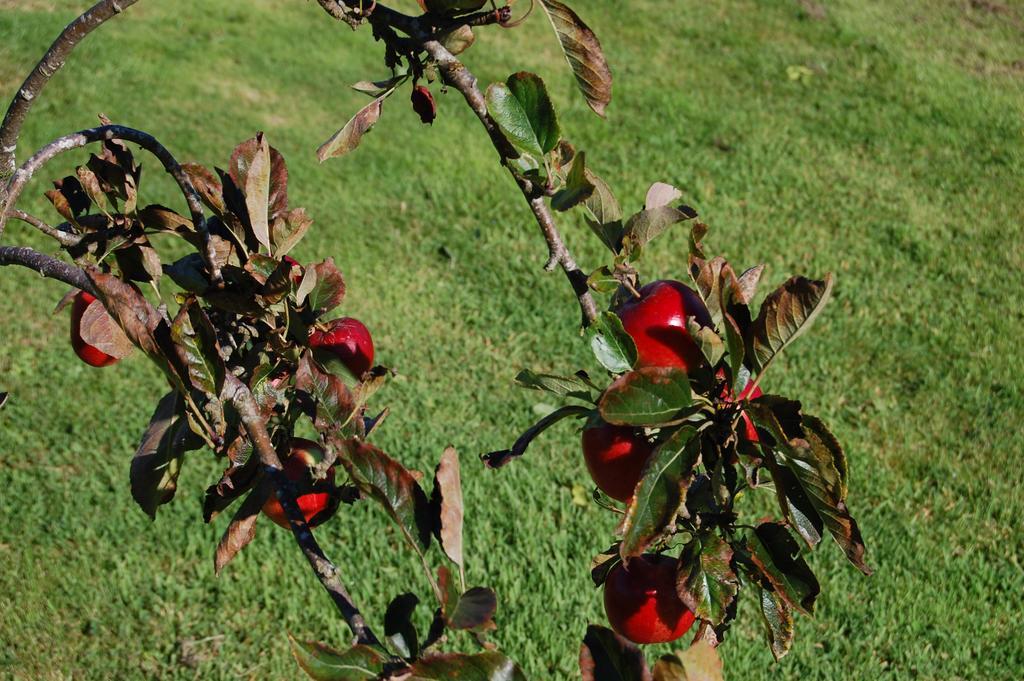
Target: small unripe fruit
x=615 y=457
x=89 y=354
x=657 y=323
x=423 y=104
x=314 y=498
x=642 y=603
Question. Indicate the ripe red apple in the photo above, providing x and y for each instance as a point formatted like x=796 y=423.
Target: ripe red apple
x=642 y=603
x=89 y=354
x=615 y=457
x=657 y=322
x=314 y=498
x=349 y=340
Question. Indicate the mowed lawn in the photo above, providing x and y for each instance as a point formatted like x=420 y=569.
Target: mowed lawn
x=882 y=143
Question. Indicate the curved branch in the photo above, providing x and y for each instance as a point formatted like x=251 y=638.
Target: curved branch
x=459 y=77
x=79 y=139
x=325 y=570
x=65 y=238
x=51 y=62
x=48 y=266
x=422 y=32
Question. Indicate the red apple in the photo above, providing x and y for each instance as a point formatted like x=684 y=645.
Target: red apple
x=349 y=340
x=642 y=603
x=615 y=457
x=89 y=354
x=657 y=322
x=314 y=498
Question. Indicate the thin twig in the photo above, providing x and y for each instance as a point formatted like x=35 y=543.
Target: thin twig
x=22 y=175
x=422 y=33
x=51 y=62
x=459 y=77
x=65 y=238
x=325 y=570
x=47 y=266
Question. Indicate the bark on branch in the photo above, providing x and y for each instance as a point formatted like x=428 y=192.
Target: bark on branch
x=46 y=265
x=22 y=175
x=325 y=570
x=51 y=62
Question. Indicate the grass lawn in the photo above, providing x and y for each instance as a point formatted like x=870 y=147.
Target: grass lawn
x=895 y=161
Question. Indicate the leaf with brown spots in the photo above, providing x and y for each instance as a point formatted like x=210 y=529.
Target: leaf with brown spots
x=583 y=52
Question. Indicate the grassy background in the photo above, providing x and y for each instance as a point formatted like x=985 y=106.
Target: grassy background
x=896 y=163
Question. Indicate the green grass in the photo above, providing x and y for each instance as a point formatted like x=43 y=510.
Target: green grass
x=897 y=165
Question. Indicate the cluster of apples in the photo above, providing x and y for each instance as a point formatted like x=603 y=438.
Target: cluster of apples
x=641 y=600
x=347 y=338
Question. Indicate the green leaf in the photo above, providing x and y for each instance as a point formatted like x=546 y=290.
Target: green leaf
x=603 y=281
x=708 y=583
x=602 y=204
x=661 y=491
x=488 y=666
x=583 y=52
x=158 y=458
x=564 y=386
x=606 y=656
x=359 y=663
x=614 y=348
x=524 y=112
x=710 y=343
x=735 y=343
x=577 y=187
x=776 y=555
x=322 y=287
x=644 y=226
x=819 y=464
x=786 y=313
x=650 y=396
x=333 y=403
x=197 y=346
x=391 y=485
x=778 y=622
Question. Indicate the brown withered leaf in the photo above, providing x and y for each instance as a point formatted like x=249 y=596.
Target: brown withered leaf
x=206 y=185
x=130 y=309
x=250 y=169
x=349 y=137
x=583 y=52
x=448 y=505
x=242 y=528
x=100 y=330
